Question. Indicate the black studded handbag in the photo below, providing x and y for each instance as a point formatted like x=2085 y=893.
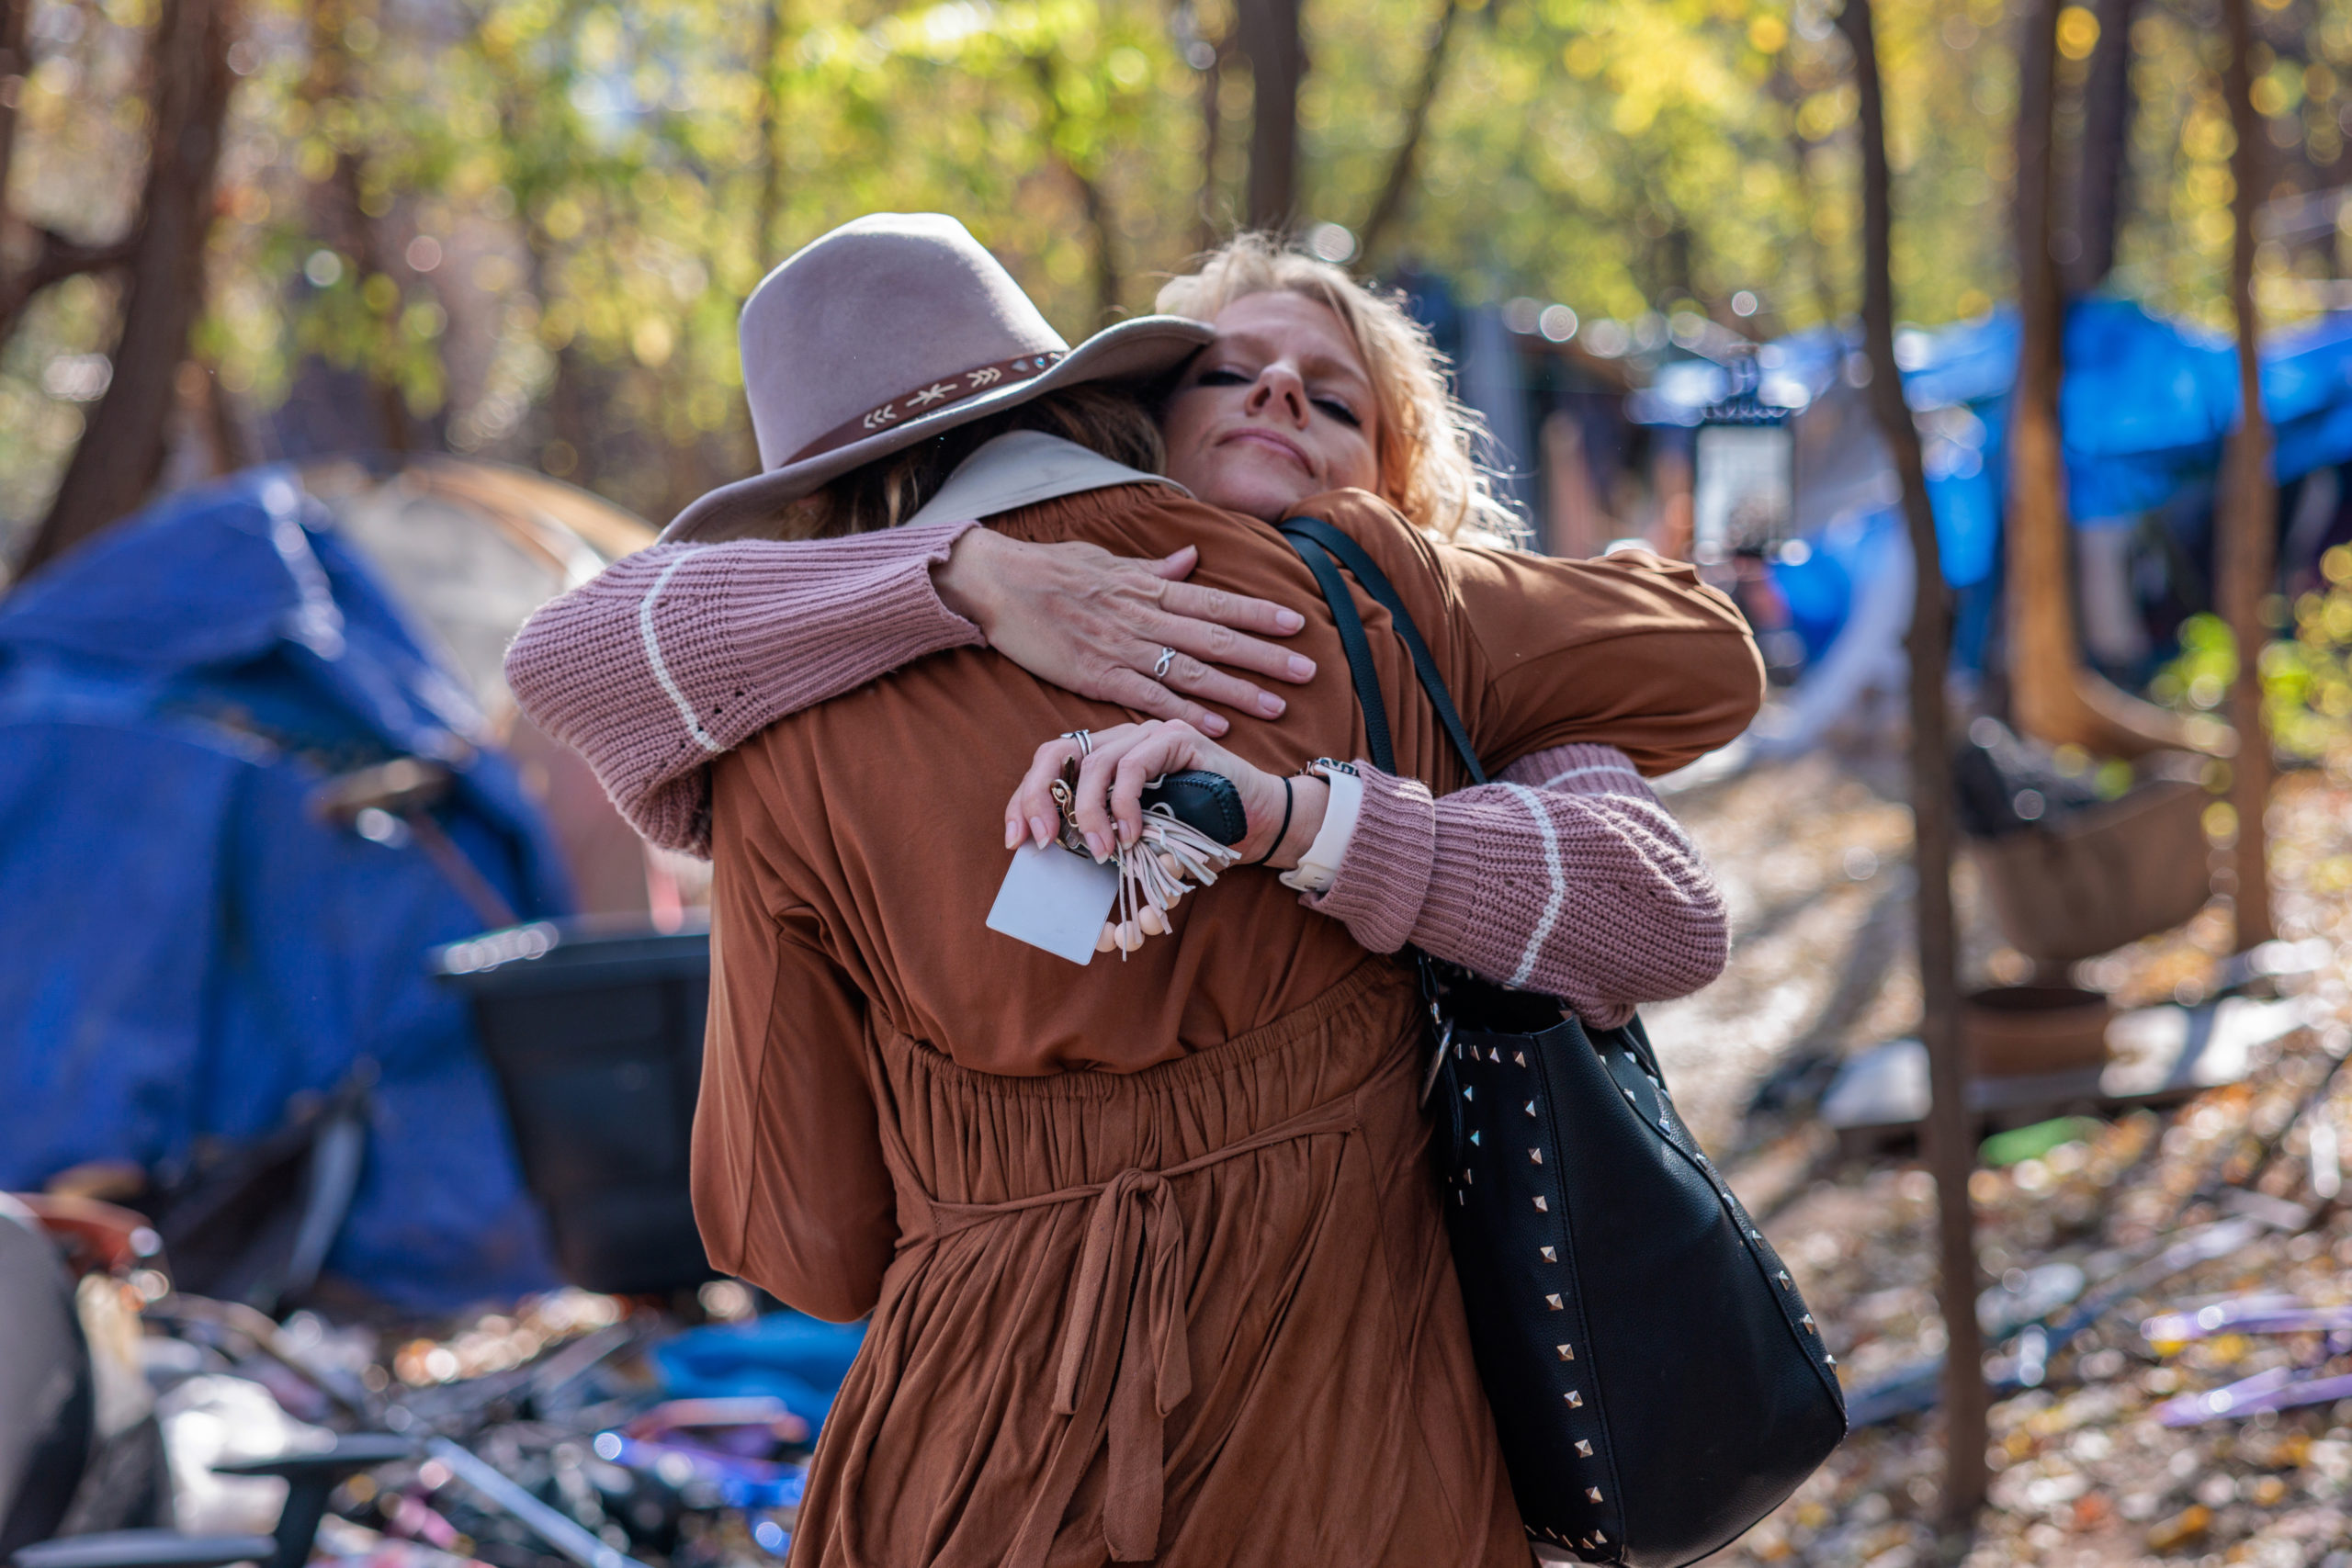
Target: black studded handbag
x=1657 y=1381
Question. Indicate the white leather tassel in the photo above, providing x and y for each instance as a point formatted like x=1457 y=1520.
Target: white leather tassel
x=1153 y=878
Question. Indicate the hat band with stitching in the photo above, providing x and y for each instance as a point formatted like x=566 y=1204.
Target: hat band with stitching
x=927 y=400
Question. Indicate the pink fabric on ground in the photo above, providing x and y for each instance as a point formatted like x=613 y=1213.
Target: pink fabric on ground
x=1566 y=875
x=679 y=653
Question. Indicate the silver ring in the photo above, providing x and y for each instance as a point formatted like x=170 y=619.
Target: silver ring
x=1167 y=658
x=1085 y=740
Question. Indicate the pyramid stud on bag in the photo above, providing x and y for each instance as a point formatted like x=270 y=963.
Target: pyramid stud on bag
x=1531 y=1108
x=1535 y=1156
x=1567 y=1352
x=1550 y=1254
x=1541 y=1207
x=1576 y=1400
x=1555 y=1303
x=1584 y=1449
x=1519 y=1058
x=1593 y=1493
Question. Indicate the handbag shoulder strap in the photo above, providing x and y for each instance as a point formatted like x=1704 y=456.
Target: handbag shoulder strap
x=1320 y=545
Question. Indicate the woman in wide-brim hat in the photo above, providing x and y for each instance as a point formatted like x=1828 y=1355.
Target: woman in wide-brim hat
x=1155 y=1266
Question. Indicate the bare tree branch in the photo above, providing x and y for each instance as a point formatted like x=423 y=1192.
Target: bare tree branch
x=1390 y=204
x=56 y=257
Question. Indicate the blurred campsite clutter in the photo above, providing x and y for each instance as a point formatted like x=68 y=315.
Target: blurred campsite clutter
x=1995 y=355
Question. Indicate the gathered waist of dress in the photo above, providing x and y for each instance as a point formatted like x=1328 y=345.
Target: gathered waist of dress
x=969 y=1151
x=960 y=1137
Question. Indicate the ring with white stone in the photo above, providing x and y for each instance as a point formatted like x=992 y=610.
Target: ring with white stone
x=1167 y=658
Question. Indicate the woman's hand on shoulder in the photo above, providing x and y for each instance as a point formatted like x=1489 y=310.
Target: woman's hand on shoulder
x=1116 y=764
x=1097 y=623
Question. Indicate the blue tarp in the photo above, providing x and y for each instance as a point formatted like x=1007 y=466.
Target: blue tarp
x=797 y=1358
x=187 y=946
x=2144 y=408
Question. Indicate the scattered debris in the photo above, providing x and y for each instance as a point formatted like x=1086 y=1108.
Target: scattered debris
x=2144 y=1262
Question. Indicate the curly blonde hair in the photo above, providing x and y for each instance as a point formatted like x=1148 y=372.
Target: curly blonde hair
x=1429 y=442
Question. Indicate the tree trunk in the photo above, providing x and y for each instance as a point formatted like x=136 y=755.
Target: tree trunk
x=1784 y=88
x=1949 y=1147
x=1269 y=36
x=2052 y=695
x=1102 y=242
x=771 y=206
x=2104 y=172
x=16 y=64
x=1207 y=221
x=338 y=218
x=1390 y=205
x=2247 y=516
x=1097 y=208
x=122 y=449
x=214 y=418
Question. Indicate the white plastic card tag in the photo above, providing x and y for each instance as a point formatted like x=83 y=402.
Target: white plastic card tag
x=1054 y=900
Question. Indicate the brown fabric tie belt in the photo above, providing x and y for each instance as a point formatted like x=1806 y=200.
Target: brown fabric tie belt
x=1123 y=1364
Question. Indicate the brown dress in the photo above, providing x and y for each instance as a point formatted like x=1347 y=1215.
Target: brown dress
x=1156 y=1265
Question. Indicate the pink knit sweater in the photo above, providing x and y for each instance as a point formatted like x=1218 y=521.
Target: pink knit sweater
x=1565 y=875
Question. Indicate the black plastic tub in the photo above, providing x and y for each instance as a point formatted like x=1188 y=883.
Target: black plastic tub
x=595 y=1037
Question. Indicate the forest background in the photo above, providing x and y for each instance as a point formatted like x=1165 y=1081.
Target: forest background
x=521 y=229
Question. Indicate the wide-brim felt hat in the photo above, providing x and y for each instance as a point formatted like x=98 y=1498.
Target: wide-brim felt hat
x=886 y=331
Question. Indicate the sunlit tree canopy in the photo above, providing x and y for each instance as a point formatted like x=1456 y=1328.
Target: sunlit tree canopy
x=523 y=227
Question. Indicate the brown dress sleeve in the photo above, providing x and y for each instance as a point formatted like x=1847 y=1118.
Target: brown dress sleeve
x=789 y=1186
x=1629 y=650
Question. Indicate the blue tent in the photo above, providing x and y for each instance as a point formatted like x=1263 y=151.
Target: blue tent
x=188 y=947
x=2144 y=409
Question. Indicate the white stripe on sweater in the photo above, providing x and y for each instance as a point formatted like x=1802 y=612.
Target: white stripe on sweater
x=1534 y=804
x=661 y=669
x=1601 y=770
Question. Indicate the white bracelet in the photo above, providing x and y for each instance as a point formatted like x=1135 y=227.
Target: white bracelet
x=1319 y=867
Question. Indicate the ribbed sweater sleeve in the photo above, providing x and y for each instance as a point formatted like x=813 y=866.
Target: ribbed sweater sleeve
x=675 y=655
x=1565 y=875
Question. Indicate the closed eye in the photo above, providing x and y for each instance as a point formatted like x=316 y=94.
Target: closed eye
x=1224 y=376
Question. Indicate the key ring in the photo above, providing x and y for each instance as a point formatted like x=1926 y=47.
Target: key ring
x=1167 y=658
